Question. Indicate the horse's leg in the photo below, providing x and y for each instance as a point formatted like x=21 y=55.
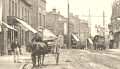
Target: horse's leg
x=33 y=59
x=38 y=60
x=43 y=59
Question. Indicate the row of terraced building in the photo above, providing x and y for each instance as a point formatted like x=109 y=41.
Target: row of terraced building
x=15 y=14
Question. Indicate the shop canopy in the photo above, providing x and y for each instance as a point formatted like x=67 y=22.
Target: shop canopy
x=48 y=35
x=27 y=26
x=90 y=40
x=8 y=26
x=75 y=37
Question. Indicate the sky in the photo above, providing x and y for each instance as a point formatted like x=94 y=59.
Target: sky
x=82 y=8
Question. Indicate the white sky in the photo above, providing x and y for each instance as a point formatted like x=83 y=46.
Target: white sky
x=81 y=8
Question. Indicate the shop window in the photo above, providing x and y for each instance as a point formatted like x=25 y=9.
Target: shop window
x=15 y=34
x=9 y=34
x=22 y=37
x=44 y=20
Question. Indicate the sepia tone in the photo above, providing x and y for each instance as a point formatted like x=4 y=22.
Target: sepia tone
x=57 y=34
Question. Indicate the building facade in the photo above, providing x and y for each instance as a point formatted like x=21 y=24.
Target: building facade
x=31 y=12
x=55 y=22
x=58 y=24
x=81 y=29
x=84 y=31
x=114 y=26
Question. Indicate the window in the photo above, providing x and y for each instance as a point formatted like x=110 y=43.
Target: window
x=10 y=7
x=28 y=16
x=13 y=8
x=9 y=34
x=22 y=12
x=40 y=19
x=44 y=20
x=16 y=9
x=22 y=34
x=25 y=16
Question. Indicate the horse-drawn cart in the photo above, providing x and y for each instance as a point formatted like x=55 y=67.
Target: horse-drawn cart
x=42 y=47
x=99 y=42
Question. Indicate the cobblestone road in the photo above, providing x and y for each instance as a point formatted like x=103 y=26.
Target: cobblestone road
x=84 y=59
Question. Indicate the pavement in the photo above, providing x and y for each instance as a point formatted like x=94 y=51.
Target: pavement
x=69 y=59
x=7 y=61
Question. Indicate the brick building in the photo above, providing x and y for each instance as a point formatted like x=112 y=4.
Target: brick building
x=55 y=22
x=114 y=26
x=84 y=30
x=21 y=14
x=81 y=29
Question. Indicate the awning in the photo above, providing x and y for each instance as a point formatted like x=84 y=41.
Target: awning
x=8 y=26
x=90 y=40
x=75 y=37
x=26 y=25
x=48 y=35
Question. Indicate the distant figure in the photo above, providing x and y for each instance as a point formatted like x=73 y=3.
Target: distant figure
x=111 y=38
x=16 y=49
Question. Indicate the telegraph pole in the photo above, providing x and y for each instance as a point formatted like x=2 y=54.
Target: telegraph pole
x=89 y=19
x=104 y=27
x=104 y=22
x=68 y=37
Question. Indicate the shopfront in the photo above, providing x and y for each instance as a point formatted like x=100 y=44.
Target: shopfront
x=4 y=41
x=23 y=33
x=116 y=40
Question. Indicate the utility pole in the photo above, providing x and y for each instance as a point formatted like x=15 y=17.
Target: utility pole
x=104 y=28
x=89 y=19
x=104 y=22
x=68 y=37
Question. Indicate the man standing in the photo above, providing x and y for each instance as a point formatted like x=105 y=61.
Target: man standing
x=16 y=48
x=111 y=38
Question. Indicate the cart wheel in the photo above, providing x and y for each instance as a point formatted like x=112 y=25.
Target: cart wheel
x=57 y=58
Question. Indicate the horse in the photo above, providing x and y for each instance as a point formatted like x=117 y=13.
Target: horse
x=39 y=49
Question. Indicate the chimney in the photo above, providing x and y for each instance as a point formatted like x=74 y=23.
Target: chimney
x=59 y=12
x=76 y=16
x=54 y=10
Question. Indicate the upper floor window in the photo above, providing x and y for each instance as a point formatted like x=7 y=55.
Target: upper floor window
x=13 y=8
x=10 y=7
x=22 y=12
x=16 y=10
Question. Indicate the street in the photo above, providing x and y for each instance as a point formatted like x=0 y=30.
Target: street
x=82 y=59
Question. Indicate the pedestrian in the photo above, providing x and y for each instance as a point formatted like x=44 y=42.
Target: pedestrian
x=111 y=39
x=16 y=49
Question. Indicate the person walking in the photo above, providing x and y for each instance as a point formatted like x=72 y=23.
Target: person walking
x=111 y=38
x=16 y=49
